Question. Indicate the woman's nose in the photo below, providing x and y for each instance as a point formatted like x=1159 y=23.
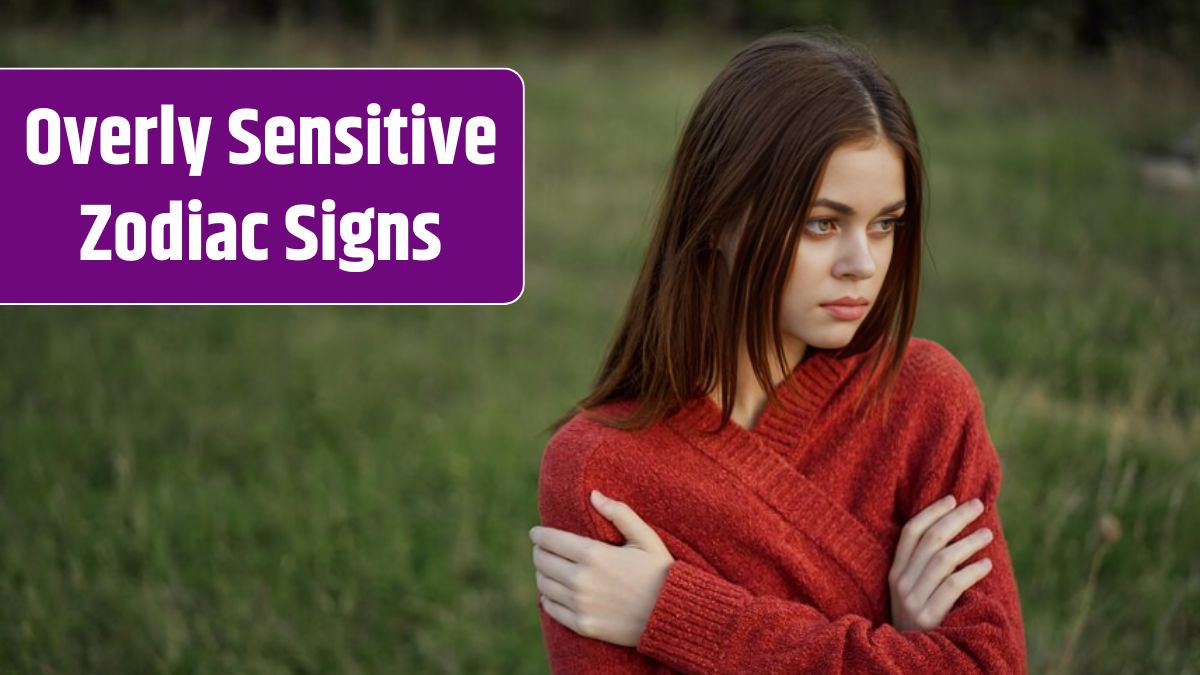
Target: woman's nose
x=855 y=259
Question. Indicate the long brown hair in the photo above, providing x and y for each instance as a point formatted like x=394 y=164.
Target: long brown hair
x=751 y=156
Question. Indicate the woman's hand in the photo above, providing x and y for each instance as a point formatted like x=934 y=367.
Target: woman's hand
x=596 y=589
x=923 y=582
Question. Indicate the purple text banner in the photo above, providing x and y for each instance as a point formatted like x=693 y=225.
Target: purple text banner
x=262 y=186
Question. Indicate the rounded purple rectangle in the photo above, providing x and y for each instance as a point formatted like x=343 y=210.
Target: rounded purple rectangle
x=450 y=145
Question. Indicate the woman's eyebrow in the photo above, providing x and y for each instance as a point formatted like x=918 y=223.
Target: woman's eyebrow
x=846 y=210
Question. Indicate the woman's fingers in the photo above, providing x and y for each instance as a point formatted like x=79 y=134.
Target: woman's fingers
x=636 y=531
x=955 y=585
x=562 y=543
x=558 y=569
x=934 y=539
x=555 y=591
x=916 y=527
x=944 y=562
x=561 y=614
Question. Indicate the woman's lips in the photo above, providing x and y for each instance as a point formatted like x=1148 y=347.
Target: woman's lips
x=846 y=312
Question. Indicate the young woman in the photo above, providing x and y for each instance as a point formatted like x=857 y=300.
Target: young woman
x=770 y=475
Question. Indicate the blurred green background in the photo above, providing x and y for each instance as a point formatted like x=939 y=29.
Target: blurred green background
x=349 y=489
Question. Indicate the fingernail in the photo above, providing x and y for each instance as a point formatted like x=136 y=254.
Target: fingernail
x=948 y=499
x=532 y=531
x=976 y=503
x=598 y=499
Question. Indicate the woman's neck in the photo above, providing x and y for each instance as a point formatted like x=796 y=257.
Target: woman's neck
x=749 y=397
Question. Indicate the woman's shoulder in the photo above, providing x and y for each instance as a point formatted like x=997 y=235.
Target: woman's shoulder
x=587 y=427
x=943 y=426
x=585 y=439
x=930 y=370
x=585 y=453
x=934 y=393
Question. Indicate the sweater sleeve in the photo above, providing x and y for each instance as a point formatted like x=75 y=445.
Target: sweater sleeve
x=563 y=503
x=702 y=623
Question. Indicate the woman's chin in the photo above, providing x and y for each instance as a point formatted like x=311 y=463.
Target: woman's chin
x=835 y=338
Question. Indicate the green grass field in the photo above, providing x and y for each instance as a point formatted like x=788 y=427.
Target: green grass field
x=349 y=489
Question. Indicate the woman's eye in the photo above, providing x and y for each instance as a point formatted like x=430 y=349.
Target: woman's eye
x=821 y=226
x=891 y=224
x=815 y=226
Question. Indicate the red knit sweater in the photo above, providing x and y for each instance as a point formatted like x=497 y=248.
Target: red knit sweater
x=783 y=534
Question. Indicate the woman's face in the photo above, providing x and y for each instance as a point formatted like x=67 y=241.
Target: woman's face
x=845 y=245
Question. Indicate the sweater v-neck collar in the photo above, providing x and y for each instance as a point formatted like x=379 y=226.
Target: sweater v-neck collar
x=785 y=423
x=762 y=457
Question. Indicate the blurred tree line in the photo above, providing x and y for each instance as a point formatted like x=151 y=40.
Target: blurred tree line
x=1086 y=26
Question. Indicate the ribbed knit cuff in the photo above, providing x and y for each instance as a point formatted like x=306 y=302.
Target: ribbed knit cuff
x=691 y=622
